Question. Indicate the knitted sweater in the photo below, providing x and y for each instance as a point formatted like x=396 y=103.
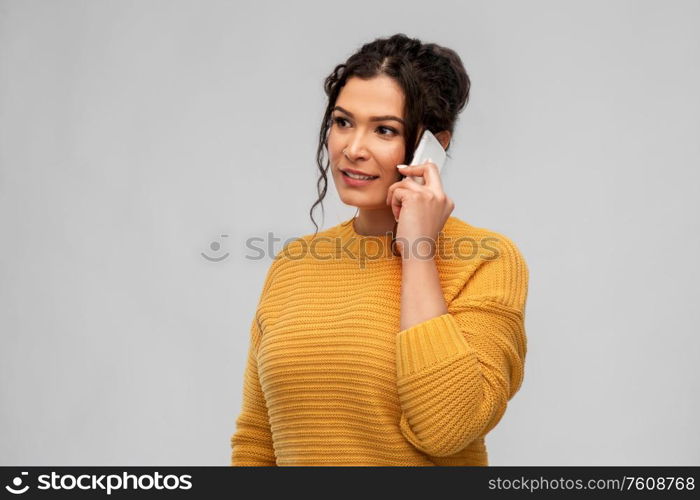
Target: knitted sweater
x=330 y=378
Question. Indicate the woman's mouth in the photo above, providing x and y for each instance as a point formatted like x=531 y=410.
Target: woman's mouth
x=357 y=180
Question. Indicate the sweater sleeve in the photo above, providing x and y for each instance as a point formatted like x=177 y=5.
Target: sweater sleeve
x=251 y=444
x=457 y=371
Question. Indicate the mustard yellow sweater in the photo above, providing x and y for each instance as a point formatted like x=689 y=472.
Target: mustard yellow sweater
x=330 y=378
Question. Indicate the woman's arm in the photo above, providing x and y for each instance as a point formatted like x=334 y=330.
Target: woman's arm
x=422 y=297
x=458 y=366
x=252 y=442
x=421 y=211
x=456 y=370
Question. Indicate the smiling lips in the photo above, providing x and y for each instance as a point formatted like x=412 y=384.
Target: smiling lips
x=357 y=174
x=357 y=180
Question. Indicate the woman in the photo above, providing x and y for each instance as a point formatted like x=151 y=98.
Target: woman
x=397 y=337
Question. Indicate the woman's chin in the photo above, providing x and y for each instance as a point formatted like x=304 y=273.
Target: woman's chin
x=363 y=204
x=361 y=199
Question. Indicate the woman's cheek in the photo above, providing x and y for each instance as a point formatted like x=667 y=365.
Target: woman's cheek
x=332 y=148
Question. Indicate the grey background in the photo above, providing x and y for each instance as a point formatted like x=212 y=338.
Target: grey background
x=134 y=134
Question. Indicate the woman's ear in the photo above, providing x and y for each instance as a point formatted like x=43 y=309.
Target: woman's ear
x=444 y=138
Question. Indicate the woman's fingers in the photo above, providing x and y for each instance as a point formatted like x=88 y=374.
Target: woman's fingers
x=397 y=198
x=403 y=183
x=428 y=171
x=398 y=191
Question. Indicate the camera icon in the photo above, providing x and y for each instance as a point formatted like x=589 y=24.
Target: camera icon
x=17 y=482
x=216 y=246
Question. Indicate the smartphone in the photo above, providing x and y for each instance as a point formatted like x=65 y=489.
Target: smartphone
x=428 y=148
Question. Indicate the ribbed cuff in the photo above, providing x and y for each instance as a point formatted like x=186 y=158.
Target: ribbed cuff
x=428 y=343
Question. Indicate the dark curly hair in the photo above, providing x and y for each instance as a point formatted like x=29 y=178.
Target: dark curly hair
x=433 y=79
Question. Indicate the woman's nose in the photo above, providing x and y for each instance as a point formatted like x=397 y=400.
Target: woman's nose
x=356 y=150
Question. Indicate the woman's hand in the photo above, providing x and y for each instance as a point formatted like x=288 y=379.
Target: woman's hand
x=421 y=210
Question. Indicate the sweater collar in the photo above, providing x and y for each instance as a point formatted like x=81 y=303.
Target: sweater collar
x=365 y=248
x=379 y=247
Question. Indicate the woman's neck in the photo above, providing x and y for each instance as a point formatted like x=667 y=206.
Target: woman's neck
x=374 y=222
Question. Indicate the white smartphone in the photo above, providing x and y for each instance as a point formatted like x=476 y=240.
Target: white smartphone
x=428 y=148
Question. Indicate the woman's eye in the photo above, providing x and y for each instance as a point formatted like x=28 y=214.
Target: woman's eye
x=340 y=121
x=391 y=130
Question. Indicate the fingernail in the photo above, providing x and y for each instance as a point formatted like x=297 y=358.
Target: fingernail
x=402 y=166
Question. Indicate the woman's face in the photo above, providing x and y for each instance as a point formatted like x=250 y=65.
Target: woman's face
x=367 y=123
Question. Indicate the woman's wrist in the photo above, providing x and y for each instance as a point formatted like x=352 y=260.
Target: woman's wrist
x=420 y=250
x=422 y=296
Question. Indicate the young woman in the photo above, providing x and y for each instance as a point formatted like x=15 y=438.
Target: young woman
x=397 y=337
